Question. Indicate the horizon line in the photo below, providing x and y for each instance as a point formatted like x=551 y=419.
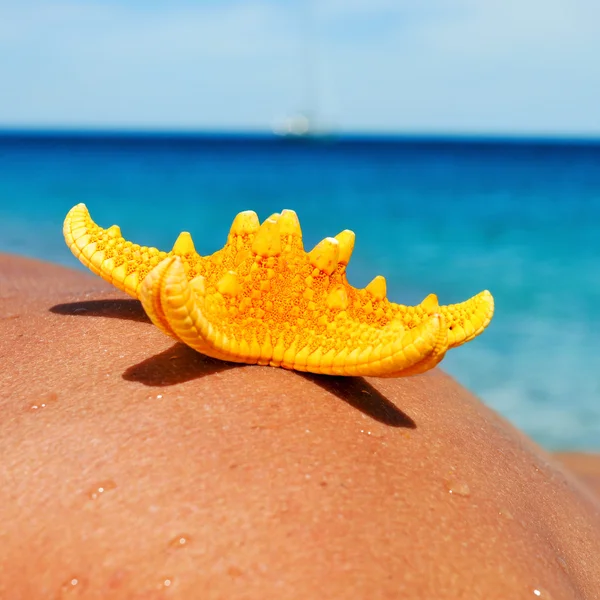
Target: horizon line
x=265 y=134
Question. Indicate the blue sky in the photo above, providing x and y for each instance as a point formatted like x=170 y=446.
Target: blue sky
x=434 y=66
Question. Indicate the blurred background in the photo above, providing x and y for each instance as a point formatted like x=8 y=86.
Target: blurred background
x=459 y=140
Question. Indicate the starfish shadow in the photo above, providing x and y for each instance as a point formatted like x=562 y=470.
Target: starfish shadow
x=115 y=309
x=180 y=363
x=360 y=394
x=177 y=364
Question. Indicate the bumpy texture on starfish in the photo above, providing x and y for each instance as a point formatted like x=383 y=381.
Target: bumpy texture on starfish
x=263 y=300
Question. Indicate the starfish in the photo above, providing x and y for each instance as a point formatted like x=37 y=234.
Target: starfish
x=263 y=300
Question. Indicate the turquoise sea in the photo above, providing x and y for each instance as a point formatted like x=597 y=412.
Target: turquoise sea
x=451 y=216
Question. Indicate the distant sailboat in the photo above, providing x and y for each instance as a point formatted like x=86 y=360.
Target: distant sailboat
x=299 y=125
x=306 y=124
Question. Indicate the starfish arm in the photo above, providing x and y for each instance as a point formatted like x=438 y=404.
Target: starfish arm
x=468 y=319
x=107 y=253
x=389 y=358
x=150 y=297
x=188 y=315
x=460 y=324
x=173 y=304
x=435 y=357
x=464 y=321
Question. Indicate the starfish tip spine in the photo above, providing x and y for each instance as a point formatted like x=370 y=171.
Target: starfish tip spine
x=430 y=303
x=114 y=231
x=346 y=241
x=245 y=223
x=325 y=255
x=377 y=287
x=183 y=244
x=267 y=241
x=289 y=224
x=229 y=284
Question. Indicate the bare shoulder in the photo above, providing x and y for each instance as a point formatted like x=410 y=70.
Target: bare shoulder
x=133 y=467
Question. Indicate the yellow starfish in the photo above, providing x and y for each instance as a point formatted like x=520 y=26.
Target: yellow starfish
x=263 y=300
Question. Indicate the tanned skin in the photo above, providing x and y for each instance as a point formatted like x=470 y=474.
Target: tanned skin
x=133 y=467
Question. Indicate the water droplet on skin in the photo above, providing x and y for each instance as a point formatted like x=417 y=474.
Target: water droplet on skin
x=73 y=585
x=43 y=402
x=165 y=582
x=539 y=592
x=458 y=488
x=562 y=563
x=101 y=488
x=181 y=541
x=504 y=512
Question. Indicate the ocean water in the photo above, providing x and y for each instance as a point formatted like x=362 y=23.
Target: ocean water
x=453 y=217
